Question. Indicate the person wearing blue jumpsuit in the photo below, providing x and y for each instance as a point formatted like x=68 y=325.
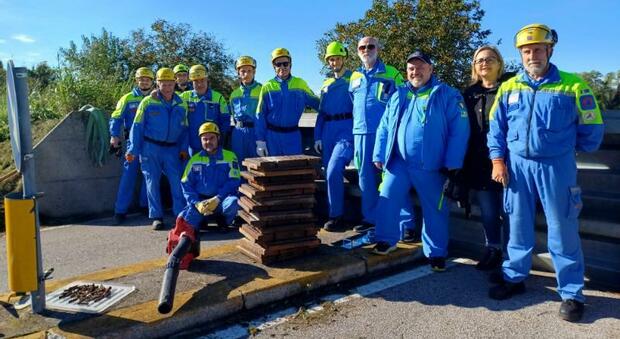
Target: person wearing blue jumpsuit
x=333 y=131
x=120 y=124
x=281 y=103
x=210 y=182
x=371 y=86
x=539 y=119
x=422 y=137
x=243 y=103
x=203 y=104
x=211 y=173
x=159 y=138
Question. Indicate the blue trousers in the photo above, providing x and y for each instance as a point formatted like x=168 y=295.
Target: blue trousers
x=491 y=210
x=154 y=161
x=244 y=143
x=398 y=179
x=554 y=182
x=369 y=179
x=337 y=154
x=126 y=187
x=283 y=143
x=228 y=208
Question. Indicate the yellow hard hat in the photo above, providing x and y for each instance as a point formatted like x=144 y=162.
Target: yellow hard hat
x=180 y=68
x=245 y=61
x=280 y=52
x=208 y=127
x=144 y=72
x=197 y=72
x=536 y=34
x=165 y=74
x=335 y=48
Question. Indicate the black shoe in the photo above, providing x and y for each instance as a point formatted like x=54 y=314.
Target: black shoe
x=333 y=224
x=364 y=227
x=118 y=218
x=409 y=236
x=222 y=226
x=506 y=290
x=158 y=224
x=383 y=248
x=438 y=264
x=496 y=277
x=492 y=259
x=571 y=310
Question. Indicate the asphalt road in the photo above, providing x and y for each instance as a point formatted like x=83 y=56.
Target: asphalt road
x=453 y=304
x=77 y=249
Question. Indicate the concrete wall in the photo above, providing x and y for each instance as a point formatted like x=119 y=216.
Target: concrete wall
x=73 y=187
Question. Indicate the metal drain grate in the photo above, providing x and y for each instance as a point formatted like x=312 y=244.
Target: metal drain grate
x=117 y=293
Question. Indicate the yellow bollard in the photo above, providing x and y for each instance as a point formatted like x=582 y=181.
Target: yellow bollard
x=21 y=249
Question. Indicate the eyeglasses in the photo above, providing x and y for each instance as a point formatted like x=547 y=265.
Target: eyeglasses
x=365 y=47
x=489 y=60
x=282 y=64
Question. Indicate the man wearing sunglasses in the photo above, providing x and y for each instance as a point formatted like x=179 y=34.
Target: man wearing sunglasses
x=371 y=86
x=282 y=100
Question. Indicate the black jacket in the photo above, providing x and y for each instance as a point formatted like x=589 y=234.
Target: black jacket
x=477 y=165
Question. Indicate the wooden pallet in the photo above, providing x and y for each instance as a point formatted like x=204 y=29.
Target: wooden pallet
x=257 y=253
x=256 y=194
x=281 y=162
x=253 y=206
x=278 y=180
x=278 y=235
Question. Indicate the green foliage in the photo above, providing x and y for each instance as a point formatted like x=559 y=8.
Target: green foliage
x=605 y=87
x=449 y=31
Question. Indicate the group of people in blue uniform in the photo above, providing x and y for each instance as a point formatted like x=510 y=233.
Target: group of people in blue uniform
x=510 y=139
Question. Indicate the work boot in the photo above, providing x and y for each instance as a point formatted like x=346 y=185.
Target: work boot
x=364 y=227
x=383 y=248
x=118 y=218
x=222 y=225
x=571 y=310
x=438 y=264
x=334 y=224
x=492 y=259
x=409 y=236
x=158 y=224
x=496 y=276
x=506 y=290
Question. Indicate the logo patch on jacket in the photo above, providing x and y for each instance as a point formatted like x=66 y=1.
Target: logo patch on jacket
x=586 y=102
x=513 y=98
x=196 y=168
x=356 y=83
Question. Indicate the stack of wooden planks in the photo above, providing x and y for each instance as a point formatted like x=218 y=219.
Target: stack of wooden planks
x=276 y=205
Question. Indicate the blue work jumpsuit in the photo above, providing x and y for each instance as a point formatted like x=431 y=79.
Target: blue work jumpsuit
x=158 y=135
x=422 y=131
x=536 y=127
x=243 y=103
x=207 y=176
x=334 y=127
x=211 y=106
x=121 y=120
x=280 y=106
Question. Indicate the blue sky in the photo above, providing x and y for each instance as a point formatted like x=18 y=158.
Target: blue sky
x=33 y=31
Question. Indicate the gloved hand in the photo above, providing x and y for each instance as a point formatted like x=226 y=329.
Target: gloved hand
x=261 y=149
x=115 y=141
x=500 y=172
x=318 y=146
x=183 y=156
x=207 y=206
x=212 y=204
x=130 y=157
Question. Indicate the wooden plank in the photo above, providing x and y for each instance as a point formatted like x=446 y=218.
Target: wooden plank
x=256 y=252
x=278 y=235
x=252 y=206
x=283 y=187
x=281 y=162
x=281 y=173
x=254 y=221
x=275 y=201
x=255 y=194
x=304 y=214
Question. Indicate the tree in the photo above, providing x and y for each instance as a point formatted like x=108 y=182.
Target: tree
x=41 y=76
x=448 y=30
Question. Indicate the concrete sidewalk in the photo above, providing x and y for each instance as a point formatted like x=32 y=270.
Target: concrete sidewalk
x=221 y=283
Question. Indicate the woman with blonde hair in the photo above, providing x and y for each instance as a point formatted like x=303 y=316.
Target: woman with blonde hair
x=487 y=73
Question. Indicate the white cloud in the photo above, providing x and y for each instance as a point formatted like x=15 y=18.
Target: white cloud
x=23 y=38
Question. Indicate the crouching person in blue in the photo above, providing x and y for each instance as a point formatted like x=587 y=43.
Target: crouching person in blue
x=421 y=141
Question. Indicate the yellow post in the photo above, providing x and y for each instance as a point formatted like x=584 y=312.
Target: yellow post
x=21 y=251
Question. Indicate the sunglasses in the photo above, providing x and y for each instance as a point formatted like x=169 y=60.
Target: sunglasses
x=489 y=60
x=282 y=64
x=366 y=47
